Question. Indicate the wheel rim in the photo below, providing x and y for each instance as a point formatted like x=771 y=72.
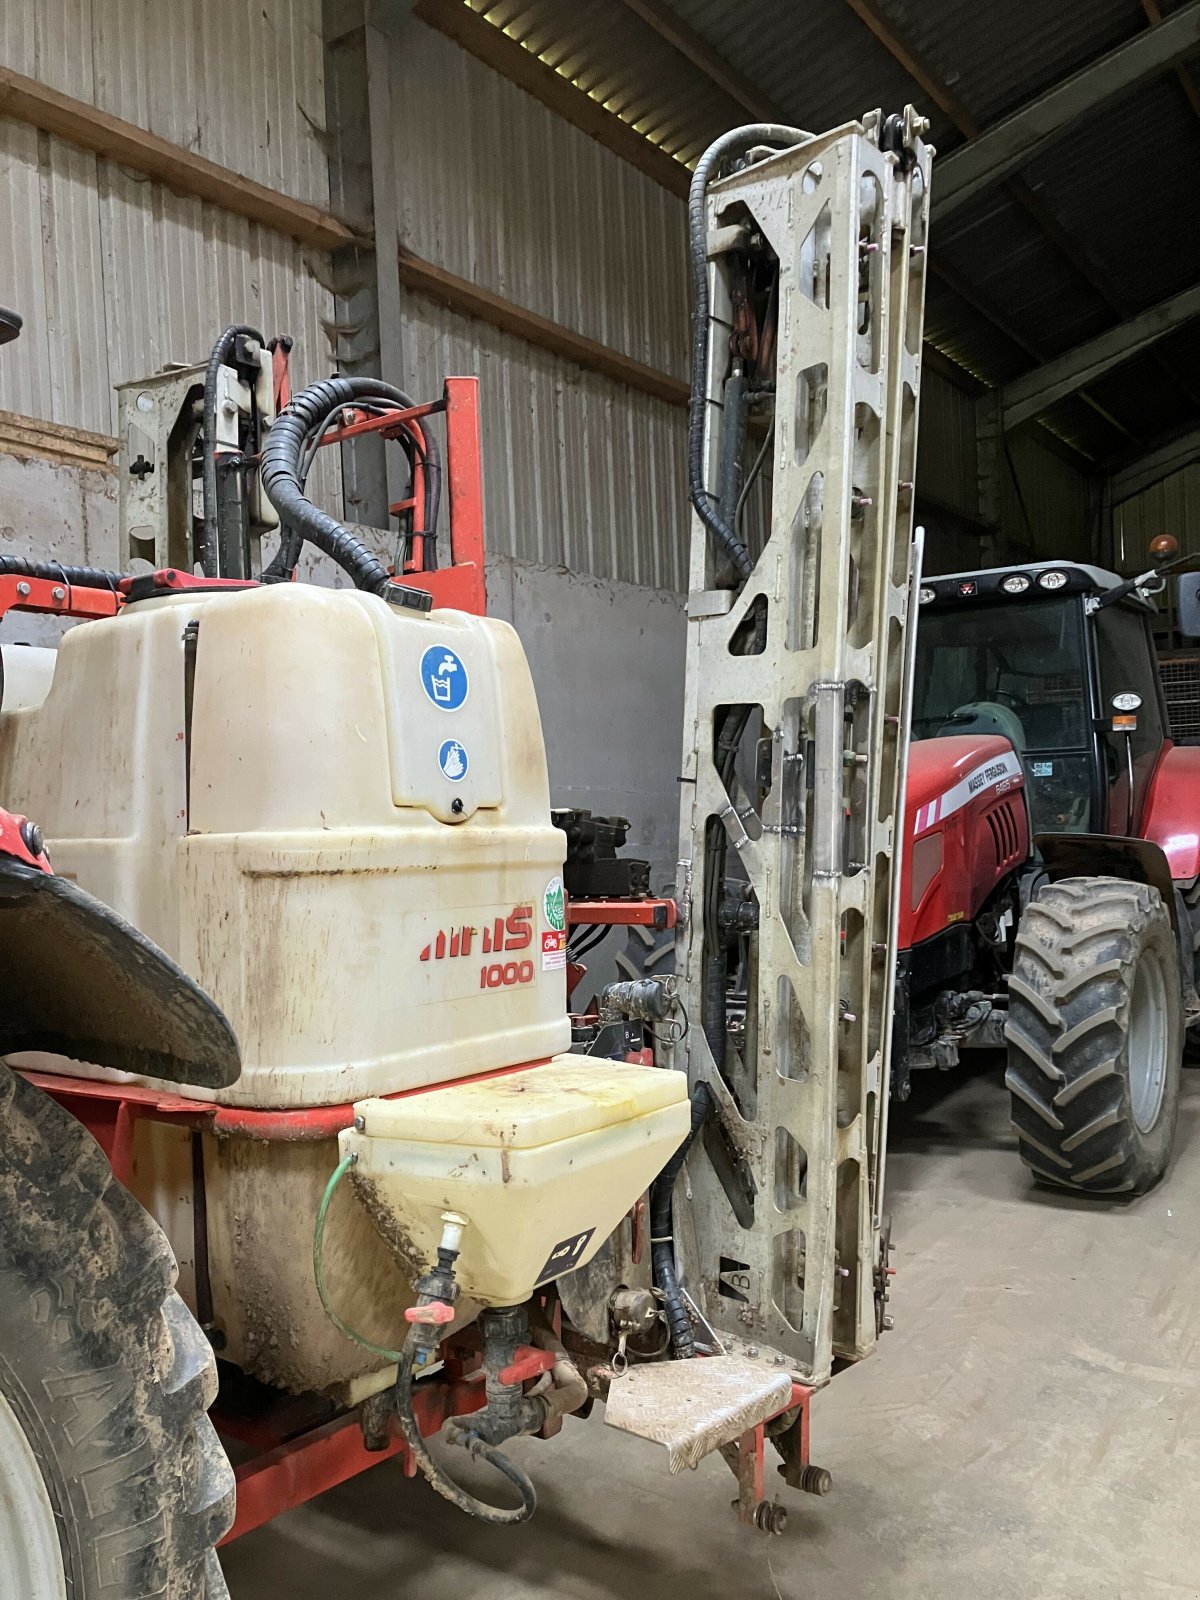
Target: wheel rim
x=1147 y=1042
x=28 y=1531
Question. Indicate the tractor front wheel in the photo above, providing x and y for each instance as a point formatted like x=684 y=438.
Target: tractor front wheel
x=1095 y=1035
x=113 y=1485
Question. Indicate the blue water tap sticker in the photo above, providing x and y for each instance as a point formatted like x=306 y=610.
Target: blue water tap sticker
x=452 y=759
x=444 y=677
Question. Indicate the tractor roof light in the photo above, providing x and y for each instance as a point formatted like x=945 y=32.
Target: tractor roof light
x=1054 y=579
x=1015 y=583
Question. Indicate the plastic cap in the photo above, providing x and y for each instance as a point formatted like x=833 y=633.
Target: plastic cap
x=436 y=1314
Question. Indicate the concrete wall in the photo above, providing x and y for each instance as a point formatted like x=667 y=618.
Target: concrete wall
x=607 y=663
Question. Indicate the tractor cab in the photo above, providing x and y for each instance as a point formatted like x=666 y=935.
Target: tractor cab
x=1058 y=659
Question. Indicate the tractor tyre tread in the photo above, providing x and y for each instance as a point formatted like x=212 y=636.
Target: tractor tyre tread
x=105 y=1367
x=1068 y=1035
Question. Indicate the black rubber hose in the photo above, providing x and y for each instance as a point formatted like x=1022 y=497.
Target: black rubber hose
x=736 y=142
x=282 y=467
x=55 y=572
x=449 y=1490
x=662 y=1239
x=218 y=358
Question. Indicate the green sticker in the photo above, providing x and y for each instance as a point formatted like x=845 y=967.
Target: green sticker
x=554 y=904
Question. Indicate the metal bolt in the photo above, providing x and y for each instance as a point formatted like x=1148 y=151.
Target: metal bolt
x=751 y=1349
x=889 y=1322
x=360 y=1124
x=23 y=590
x=456 y=806
x=916 y=249
x=58 y=594
x=31 y=837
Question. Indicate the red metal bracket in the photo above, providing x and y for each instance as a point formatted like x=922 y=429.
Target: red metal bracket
x=46 y=596
x=460 y=584
x=623 y=913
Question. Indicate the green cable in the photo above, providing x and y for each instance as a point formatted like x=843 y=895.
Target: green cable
x=340 y=1172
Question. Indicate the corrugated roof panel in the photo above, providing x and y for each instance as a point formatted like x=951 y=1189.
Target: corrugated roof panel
x=1124 y=183
x=817 y=61
x=994 y=58
x=618 y=60
x=993 y=244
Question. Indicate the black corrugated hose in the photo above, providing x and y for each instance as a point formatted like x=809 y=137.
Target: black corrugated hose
x=736 y=142
x=662 y=1238
x=283 y=471
x=218 y=358
x=55 y=572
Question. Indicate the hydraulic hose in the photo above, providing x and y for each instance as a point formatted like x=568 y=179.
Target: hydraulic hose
x=283 y=467
x=220 y=355
x=55 y=572
x=736 y=142
x=662 y=1238
x=500 y=1516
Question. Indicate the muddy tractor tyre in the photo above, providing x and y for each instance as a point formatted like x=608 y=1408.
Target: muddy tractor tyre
x=113 y=1485
x=1095 y=1036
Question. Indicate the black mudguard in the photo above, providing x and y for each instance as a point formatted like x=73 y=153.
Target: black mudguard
x=77 y=980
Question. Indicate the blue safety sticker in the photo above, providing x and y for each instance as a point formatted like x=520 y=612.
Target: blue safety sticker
x=452 y=758
x=444 y=677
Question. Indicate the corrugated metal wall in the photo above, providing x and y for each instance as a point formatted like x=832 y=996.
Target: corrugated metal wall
x=947 y=470
x=1048 y=507
x=1172 y=506
x=579 y=471
x=115 y=275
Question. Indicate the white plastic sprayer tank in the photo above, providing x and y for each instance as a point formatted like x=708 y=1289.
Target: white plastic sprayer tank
x=333 y=813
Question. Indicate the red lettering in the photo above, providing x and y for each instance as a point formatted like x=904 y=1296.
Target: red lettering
x=520 y=929
x=505 y=975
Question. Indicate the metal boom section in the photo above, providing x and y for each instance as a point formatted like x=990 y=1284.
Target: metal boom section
x=794 y=737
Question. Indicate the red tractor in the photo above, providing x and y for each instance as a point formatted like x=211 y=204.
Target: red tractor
x=1050 y=901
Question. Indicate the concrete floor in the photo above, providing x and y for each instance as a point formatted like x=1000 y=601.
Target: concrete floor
x=1029 y=1431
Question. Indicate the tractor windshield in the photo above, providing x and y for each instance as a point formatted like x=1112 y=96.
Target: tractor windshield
x=1017 y=669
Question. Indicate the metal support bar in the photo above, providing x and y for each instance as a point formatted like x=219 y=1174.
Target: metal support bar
x=1015 y=138
x=368 y=324
x=1038 y=390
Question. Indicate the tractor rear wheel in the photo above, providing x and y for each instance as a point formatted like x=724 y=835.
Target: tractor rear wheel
x=1095 y=1035
x=112 y=1481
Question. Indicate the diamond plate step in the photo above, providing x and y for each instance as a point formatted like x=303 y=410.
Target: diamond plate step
x=694 y=1407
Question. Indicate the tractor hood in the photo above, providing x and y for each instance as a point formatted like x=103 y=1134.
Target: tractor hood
x=966 y=828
